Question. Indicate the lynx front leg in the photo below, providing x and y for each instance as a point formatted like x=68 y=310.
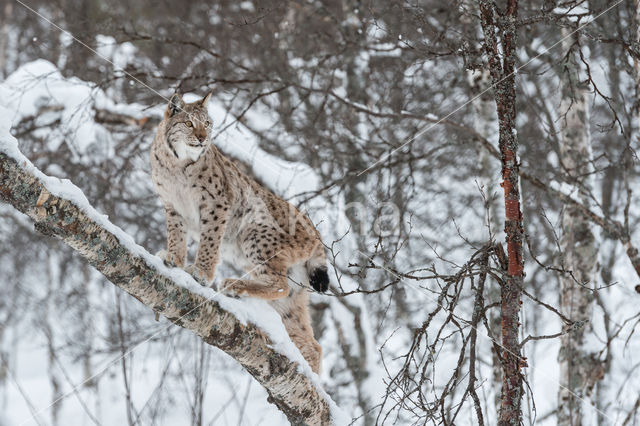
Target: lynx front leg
x=213 y=221
x=176 y=252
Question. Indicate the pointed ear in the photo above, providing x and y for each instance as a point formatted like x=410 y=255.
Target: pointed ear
x=205 y=100
x=176 y=104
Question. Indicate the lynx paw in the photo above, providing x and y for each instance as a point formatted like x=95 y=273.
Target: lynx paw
x=164 y=255
x=168 y=259
x=198 y=275
x=231 y=287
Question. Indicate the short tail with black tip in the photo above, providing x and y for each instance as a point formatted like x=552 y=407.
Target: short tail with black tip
x=317 y=270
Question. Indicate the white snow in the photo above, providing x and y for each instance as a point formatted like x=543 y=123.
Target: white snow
x=248 y=310
x=39 y=82
x=38 y=89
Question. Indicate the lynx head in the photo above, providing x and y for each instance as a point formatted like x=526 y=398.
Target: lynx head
x=188 y=127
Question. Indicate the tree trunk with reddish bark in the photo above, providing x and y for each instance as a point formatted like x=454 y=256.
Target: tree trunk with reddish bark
x=501 y=57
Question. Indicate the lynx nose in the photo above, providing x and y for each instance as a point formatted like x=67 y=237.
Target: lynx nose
x=202 y=137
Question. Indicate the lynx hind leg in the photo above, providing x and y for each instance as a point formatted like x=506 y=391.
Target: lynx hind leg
x=268 y=281
x=266 y=262
x=298 y=325
x=262 y=287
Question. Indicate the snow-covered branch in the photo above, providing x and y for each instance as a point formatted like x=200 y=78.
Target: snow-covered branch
x=59 y=209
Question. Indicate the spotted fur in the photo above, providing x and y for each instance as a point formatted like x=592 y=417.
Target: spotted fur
x=208 y=199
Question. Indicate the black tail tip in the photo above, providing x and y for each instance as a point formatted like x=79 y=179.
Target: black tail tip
x=319 y=279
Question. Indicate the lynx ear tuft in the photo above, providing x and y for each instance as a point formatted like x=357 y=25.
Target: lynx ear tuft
x=205 y=100
x=176 y=104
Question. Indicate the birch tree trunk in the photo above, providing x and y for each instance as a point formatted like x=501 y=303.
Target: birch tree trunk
x=292 y=391
x=636 y=67
x=502 y=58
x=7 y=12
x=50 y=301
x=578 y=367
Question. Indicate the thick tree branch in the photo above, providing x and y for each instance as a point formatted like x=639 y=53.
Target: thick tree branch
x=292 y=391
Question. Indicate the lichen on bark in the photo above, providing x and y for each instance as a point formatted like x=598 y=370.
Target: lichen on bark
x=501 y=58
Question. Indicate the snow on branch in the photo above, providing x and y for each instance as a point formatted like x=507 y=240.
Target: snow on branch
x=248 y=330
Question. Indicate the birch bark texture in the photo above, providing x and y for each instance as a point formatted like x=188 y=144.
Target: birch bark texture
x=579 y=369
x=293 y=392
x=500 y=37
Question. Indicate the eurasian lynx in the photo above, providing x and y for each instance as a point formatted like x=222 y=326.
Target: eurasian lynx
x=207 y=198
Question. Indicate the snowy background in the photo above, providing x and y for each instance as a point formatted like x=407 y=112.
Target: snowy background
x=306 y=97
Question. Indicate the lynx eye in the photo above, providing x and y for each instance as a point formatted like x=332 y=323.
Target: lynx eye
x=208 y=123
x=189 y=124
